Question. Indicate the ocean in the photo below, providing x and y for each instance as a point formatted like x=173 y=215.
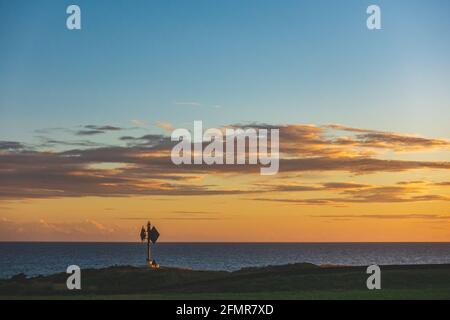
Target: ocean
x=47 y=258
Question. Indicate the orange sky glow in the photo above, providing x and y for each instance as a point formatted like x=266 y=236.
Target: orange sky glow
x=336 y=184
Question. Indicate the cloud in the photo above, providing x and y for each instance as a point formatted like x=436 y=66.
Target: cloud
x=358 y=165
x=374 y=198
x=188 y=103
x=337 y=126
x=165 y=126
x=388 y=216
x=11 y=146
x=307 y=140
x=388 y=140
x=144 y=167
x=195 y=104
x=196 y=212
x=292 y=187
x=344 y=185
x=192 y=218
x=139 y=123
x=103 y=128
x=356 y=193
x=151 y=142
x=46 y=142
x=399 y=142
x=443 y=184
x=90 y=130
x=411 y=182
x=42 y=230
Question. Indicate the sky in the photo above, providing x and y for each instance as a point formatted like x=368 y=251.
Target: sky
x=86 y=116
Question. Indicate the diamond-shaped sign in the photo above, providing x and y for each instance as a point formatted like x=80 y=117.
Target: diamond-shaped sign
x=142 y=234
x=154 y=235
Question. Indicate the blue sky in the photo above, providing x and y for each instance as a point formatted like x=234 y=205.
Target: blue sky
x=233 y=61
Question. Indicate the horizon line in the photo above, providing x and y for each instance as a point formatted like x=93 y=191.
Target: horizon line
x=234 y=242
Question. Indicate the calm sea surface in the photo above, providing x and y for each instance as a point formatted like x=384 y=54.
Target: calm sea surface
x=47 y=258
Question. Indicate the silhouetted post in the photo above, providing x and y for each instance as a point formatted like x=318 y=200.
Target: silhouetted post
x=152 y=235
x=148 y=243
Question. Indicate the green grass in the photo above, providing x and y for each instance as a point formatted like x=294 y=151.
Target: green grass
x=297 y=281
x=411 y=294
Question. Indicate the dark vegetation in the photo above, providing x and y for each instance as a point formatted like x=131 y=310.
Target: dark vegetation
x=295 y=281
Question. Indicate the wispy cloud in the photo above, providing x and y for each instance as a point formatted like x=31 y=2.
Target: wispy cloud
x=48 y=142
x=90 y=130
x=166 y=126
x=443 y=184
x=388 y=140
x=187 y=103
x=139 y=123
x=196 y=104
x=11 y=145
x=90 y=230
x=388 y=216
x=348 y=192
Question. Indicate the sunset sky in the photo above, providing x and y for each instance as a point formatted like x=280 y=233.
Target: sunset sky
x=86 y=118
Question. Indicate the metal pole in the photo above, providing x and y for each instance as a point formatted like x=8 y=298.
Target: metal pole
x=150 y=252
x=148 y=242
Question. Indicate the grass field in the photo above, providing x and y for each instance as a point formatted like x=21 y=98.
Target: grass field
x=296 y=281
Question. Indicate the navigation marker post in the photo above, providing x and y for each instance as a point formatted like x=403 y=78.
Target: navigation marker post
x=152 y=235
